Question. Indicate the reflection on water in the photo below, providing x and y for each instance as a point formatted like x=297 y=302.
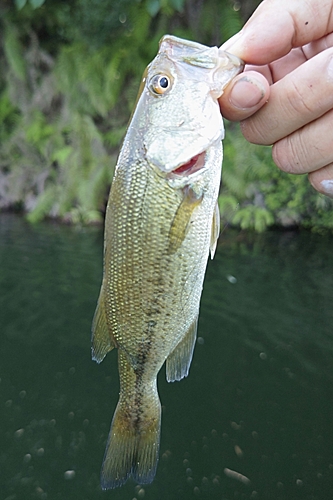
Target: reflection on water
x=252 y=421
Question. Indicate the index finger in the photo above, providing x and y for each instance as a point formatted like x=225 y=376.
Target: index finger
x=277 y=26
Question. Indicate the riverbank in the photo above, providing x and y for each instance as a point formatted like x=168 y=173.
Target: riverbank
x=69 y=76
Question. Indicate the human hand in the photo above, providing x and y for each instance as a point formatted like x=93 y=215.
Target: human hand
x=285 y=95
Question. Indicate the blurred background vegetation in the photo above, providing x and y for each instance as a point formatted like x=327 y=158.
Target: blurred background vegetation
x=69 y=75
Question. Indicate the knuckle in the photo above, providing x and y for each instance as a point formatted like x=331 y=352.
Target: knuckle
x=297 y=100
x=254 y=131
x=288 y=155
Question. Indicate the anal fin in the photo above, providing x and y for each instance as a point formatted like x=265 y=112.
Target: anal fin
x=179 y=361
x=101 y=339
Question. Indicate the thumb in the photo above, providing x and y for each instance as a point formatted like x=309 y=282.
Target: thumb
x=247 y=93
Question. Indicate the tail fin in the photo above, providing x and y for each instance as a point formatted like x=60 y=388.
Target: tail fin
x=133 y=445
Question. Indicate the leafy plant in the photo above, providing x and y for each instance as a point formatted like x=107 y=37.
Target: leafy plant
x=69 y=77
x=264 y=195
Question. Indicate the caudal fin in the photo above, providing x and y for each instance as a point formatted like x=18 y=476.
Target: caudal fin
x=133 y=445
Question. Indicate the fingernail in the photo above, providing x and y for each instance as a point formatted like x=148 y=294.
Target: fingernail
x=246 y=93
x=327 y=187
x=234 y=44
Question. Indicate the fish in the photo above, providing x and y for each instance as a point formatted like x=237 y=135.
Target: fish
x=162 y=221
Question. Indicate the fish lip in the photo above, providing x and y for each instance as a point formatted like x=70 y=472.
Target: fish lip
x=190 y=167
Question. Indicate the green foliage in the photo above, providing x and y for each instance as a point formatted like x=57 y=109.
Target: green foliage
x=265 y=195
x=8 y=116
x=34 y=3
x=164 y=6
x=14 y=52
x=253 y=217
x=70 y=73
x=69 y=114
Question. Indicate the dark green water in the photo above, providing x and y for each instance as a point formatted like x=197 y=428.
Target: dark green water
x=258 y=401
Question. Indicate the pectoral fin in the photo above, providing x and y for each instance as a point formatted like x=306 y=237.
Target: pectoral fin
x=215 y=230
x=179 y=361
x=181 y=221
x=102 y=339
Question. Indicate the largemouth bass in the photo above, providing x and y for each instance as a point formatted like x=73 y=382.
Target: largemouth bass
x=161 y=222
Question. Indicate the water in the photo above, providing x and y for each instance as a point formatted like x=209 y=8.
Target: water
x=252 y=421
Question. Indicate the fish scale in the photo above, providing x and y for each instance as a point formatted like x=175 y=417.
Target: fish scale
x=161 y=223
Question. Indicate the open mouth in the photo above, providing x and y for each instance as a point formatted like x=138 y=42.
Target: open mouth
x=196 y=163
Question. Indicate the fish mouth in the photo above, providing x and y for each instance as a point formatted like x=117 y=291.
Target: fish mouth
x=195 y=164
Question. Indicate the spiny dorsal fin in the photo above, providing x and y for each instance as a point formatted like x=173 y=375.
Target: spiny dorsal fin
x=179 y=361
x=101 y=338
x=215 y=230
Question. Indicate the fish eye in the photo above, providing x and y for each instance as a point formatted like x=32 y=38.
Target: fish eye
x=160 y=84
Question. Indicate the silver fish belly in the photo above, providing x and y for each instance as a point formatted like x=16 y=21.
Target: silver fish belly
x=162 y=220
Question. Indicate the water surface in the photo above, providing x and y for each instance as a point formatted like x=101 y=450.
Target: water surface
x=252 y=421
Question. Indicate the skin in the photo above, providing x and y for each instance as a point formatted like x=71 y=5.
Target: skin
x=285 y=95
